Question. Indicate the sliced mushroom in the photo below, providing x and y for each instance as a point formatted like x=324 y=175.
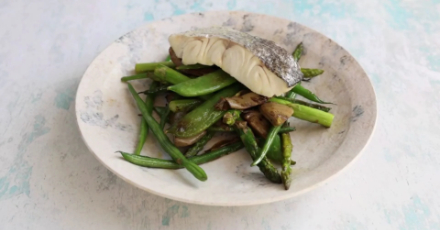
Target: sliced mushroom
x=257 y=122
x=182 y=142
x=276 y=113
x=245 y=101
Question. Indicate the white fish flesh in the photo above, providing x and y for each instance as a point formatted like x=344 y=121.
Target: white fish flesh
x=261 y=65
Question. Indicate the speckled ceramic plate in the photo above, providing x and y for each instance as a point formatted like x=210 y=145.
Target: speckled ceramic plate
x=109 y=121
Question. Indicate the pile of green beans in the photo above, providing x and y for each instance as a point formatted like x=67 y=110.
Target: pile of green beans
x=191 y=112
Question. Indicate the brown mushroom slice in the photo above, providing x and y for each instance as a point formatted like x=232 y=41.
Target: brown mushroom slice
x=187 y=141
x=257 y=122
x=276 y=113
x=245 y=101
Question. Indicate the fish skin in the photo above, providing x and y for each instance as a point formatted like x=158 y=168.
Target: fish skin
x=274 y=57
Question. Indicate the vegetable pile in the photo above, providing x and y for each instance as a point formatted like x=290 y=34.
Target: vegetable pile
x=204 y=100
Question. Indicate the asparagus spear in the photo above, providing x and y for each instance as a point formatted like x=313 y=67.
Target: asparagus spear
x=231 y=116
x=298 y=51
x=287 y=151
x=316 y=106
x=248 y=139
x=309 y=73
x=307 y=113
x=199 y=144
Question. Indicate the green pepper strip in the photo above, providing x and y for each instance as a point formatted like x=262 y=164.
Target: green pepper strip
x=168 y=164
x=166 y=144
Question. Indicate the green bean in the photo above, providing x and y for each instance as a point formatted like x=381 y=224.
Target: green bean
x=183 y=105
x=298 y=51
x=287 y=152
x=203 y=85
x=307 y=113
x=164 y=117
x=220 y=129
x=142 y=137
x=195 y=66
x=316 y=106
x=168 y=164
x=166 y=144
x=309 y=73
x=286 y=129
x=248 y=139
x=300 y=90
x=199 y=144
x=160 y=89
x=291 y=94
x=140 y=76
x=160 y=110
x=144 y=126
x=203 y=116
x=146 y=67
x=167 y=74
x=267 y=143
x=231 y=116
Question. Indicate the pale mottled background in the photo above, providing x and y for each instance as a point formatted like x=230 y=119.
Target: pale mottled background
x=49 y=180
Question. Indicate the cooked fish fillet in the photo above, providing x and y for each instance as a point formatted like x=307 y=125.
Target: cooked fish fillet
x=261 y=65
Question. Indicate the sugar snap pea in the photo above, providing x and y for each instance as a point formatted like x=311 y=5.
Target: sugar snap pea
x=168 y=164
x=287 y=151
x=199 y=144
x=183 y=105
x=166 y=144
x=273 y=132
x=146 y=67
x=204 y=115
x=203 y=85
x=167 y=74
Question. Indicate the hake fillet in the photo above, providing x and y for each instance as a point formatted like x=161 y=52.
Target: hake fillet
x=260 y=64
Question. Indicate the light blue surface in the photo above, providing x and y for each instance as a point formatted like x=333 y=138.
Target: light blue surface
x=49 y=180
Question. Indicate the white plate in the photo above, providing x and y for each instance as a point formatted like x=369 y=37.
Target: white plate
x=108 y=118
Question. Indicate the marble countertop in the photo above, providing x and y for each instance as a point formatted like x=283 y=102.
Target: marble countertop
x=49 y=180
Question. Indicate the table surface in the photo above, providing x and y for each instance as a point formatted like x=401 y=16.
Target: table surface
x=49 y=180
